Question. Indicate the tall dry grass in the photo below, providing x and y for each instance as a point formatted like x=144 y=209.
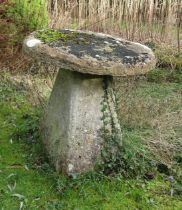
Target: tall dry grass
x=132 y=19
x=154 y=110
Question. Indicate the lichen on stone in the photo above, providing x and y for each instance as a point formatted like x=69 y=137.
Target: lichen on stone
x=89 y=52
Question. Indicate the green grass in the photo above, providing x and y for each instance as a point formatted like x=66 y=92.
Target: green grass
x=151 y=118
x=27 y=179
x=165 y=75
x=14 y=156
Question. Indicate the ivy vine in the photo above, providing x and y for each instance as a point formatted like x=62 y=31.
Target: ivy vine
x=111 y=133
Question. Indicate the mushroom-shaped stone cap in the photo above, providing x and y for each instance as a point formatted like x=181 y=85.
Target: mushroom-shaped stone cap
x=88 y=52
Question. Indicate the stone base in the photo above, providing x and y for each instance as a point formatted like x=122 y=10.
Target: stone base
x=71 y=128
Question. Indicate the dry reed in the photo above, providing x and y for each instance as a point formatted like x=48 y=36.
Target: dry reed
x=133 y=19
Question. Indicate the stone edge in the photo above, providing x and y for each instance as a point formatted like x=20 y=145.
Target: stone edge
x=44 y=53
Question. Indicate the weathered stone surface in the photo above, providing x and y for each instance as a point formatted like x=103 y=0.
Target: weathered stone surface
x=72 y=123
x=71 y=127
x=92 y=53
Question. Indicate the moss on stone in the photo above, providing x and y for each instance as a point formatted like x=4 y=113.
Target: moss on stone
x=63 y=36
x=50 y=35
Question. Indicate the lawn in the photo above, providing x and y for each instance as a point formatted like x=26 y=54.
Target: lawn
x=27 y=181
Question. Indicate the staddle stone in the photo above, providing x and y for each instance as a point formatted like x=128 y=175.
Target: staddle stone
x=73 y=120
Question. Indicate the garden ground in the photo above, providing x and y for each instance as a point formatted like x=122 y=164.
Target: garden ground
x=27 y=181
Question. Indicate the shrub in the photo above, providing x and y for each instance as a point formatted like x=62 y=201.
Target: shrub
x=31 y=14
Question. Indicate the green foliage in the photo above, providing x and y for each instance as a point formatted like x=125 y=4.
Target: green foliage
x=32 y=14
x=136 y=160
x=29 y=129
x=131 y=159
x=169 y=64
x=168 y=58
x=112 y=145
x=164 y=75
x=17 y=18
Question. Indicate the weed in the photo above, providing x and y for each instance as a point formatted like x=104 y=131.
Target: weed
x=55 y=205
x=29 y=130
